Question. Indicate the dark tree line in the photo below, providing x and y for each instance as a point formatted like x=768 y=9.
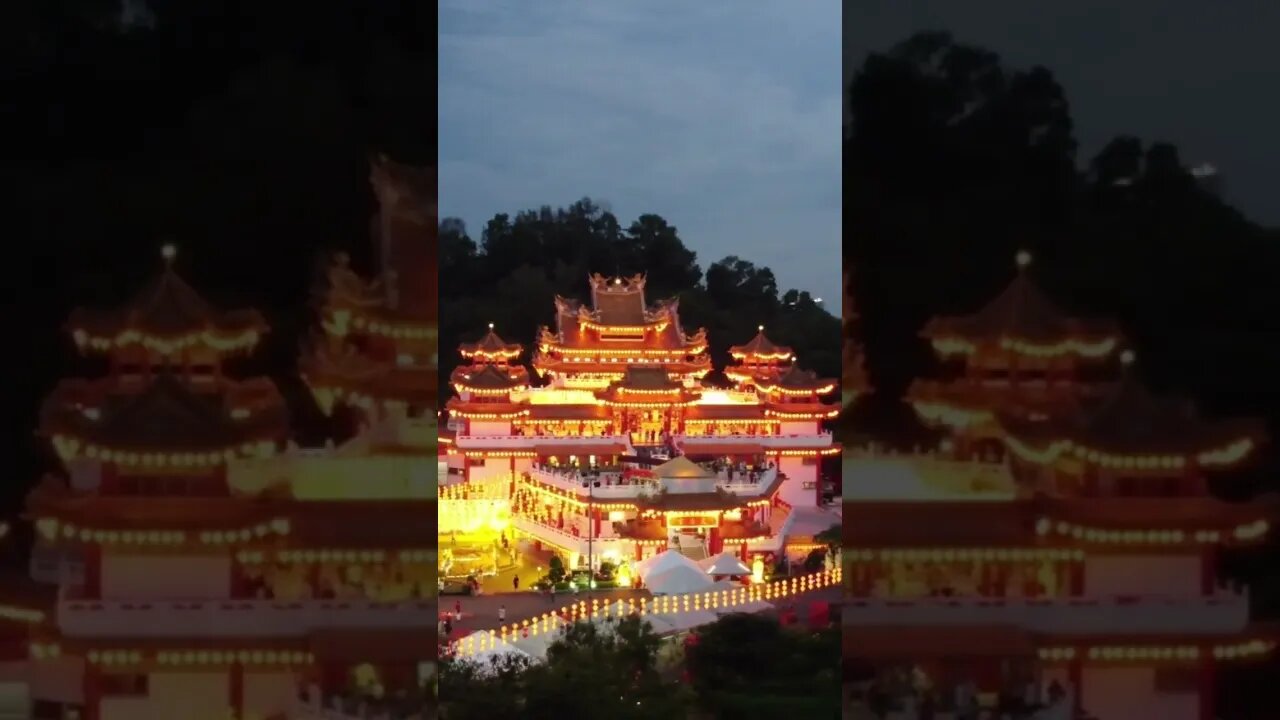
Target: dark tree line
x=238 y=131
x=511 y=276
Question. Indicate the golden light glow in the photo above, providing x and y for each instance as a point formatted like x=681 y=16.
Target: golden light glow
x=1230 y=454
x=1092 y=349
x=69 y=447
x=1248 y=532
x=1121 y=653
x=218 y=341
x=963 y=554
x=53 y=529
x=949 y=415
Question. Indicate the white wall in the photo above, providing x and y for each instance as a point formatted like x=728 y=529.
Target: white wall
x=268 y=693
x=793 y=489
x=168 y=577
x=808 y=427
x=492 y=468
x=1142 y=575
x=490 y=427
x=1129 y=692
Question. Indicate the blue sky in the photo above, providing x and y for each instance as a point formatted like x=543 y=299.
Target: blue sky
x=722 y=116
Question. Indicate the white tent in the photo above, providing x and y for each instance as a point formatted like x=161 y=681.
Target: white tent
x=678 y=580
x=725 y=564
x=663 y=562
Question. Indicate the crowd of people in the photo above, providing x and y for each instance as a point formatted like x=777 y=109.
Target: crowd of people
x=392 y=581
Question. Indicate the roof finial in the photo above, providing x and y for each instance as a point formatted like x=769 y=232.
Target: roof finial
x=760 y=328
x=1023 y=258
x=169 y=251
x=1127 y=357
x=490 y=326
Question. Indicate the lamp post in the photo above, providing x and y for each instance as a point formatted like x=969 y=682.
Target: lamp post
x=591 y=531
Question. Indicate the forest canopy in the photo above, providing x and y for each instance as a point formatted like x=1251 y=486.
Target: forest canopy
x=512 y=275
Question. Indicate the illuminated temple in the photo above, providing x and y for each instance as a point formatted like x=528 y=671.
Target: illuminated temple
x=613 y=448
x=1062 y=537
x=198 y=564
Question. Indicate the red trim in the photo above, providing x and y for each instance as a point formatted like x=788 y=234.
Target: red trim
x=1208 y=680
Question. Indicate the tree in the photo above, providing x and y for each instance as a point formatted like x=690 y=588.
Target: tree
x=555 y=569
x=749 y=666
x=493 y=689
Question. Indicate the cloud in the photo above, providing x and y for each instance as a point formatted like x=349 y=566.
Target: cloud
x=723 y=117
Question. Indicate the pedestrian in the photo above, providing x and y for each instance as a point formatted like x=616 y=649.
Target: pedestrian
x=457 y=609
x=502 y=613
x=515 y=583
x=552 y=590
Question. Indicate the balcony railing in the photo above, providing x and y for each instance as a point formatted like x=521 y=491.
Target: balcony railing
x=635 y=488
x=241 y=618
x=800 y=441
x=519 y=441
x=1225 y=612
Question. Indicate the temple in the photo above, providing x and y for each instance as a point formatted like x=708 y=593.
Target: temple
x=1063 y=537
x=190 y=560
x=614 y=448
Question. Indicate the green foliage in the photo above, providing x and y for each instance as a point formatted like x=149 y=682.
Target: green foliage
x=511 y=276
x=593 y=670
x=555 y=569
x=750 y=667
x=813 y=562
x=831 y=537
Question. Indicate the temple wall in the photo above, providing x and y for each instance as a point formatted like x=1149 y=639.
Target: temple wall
x=491 y=469
x=171 y=577
x=490 y=427
x=190 y=696
x=808 y=427
x=268 y=693
x=794 y=489
x=1131 y=692
x=1142 y=575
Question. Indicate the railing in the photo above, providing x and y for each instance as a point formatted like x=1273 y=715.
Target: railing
x=807 y=440
x=242 y=618
x=636 y=488
x=1133 y=614
x=518 y=441
x=565 y=538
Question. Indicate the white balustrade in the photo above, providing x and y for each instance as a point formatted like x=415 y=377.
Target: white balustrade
x=241 y=618
x=528 y=441
x=1130 y=614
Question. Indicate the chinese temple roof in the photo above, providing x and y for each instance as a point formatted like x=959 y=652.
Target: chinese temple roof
x=490 y=348
x=681 y=467
x=795 y=378
x=167 y=315
x=1133 y=421
x=167 y=415
x=644 y=384
x=351 y=376
x=1022 y=313
x=760 y=349
x=490 y=377
x=406 y=236
x=950 y=524
x=620 y=301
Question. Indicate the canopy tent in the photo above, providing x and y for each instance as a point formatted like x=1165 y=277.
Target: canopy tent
x=662 y=562
x=682 y=467
x=725 y=564
x=678 y=581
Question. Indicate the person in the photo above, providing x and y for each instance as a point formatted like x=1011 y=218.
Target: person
x=515 y=583
x=551 y=590
x=457 y=609
x=502 y=613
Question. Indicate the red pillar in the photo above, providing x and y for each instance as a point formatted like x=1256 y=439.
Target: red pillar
x=1208 y=570
x=1077 y=577
x=91 y=687
x=596 y=518
x=1075 y=678
x=639 y=552
x=715 y=541
x=1208 y=689
x=93 y=571
x=235 y=689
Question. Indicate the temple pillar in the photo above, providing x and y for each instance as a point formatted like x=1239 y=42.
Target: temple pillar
x=715 y=543
x=639 y=552
x=1207 y=686
x=1075 y=678
x=235 y=689
x=597 y=519
x=91 y=688
x=1208 y=570
x=93 y=571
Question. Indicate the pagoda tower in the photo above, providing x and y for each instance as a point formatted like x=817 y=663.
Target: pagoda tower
x=592 y=346
x=377 y=353
x=1018 y=354
x=1079 y=551
x=166 y=417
